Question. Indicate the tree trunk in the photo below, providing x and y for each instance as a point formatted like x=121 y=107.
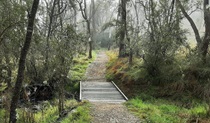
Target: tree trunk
x=61 y=81
x=206 y=40
x=90 y=50
x=195 y=29
x=93 y=24
x=84 y=15
x=61 y=96
x=49 y=33
x=21 y=69
x=130 y=56
x=122 y=48
x=202 y=45
x=90 y=41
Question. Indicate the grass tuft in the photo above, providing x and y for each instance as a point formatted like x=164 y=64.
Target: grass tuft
x=173 y=101
x=80 y=114
x=159 y=111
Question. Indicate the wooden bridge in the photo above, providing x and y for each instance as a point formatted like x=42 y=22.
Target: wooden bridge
x=101 y=92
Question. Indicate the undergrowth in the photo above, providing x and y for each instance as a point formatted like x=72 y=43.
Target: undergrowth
x=172 y=102
x=80 y=115
x=165 y=111
x=77 y=73
x=77 y=112
x=80 y=65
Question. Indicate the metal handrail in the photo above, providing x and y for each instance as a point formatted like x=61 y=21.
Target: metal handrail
x=120 y=91
x=80 y=86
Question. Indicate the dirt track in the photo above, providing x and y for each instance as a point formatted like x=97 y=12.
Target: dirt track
x=106 y=112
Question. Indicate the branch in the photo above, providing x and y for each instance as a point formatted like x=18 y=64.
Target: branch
x=61 y=10
x=195 y=29
x=84 y=15
x=7 y=28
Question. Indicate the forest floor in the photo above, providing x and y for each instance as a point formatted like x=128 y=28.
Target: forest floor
x=106 y=112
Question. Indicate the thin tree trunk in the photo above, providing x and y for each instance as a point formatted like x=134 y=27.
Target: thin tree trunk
x=195 y=29
x=21 y=69
x=93 y=24
x=130 y=56
x=84 y=15
x=90 y=42
x=51 y=15
x=61 y=82
x=202 y=45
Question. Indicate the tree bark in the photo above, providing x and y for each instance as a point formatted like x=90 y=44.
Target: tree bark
x=202 y=45
x=49 y=33
x=130 y=56
x=122 y=48
x=84 y=15
x=61 y=81
x=21 y=69
x=93 y=23
x=206 y=40
x=90 y=41
x=195 y=29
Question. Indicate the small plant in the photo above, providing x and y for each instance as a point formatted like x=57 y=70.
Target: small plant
x=26 y=116
x=199 y=111
x=79 y=115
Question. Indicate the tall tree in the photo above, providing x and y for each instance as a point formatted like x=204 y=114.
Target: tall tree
x=22 y=60
x=83 y=9
x=133 y=28
x=122 y=13
x=93 y=11
x=202 y=44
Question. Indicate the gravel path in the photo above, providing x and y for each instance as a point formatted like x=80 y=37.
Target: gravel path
x=97 y=69
x=106 y=112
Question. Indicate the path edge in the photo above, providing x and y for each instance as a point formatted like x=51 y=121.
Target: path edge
x=120 y=91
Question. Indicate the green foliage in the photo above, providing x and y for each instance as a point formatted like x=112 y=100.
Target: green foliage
x=25 y=116
x=80 y=65
x=109 y=24
x=49 y=61
x=2 y=86
x=103 y=40
x=162 y=42
x=77 y=73
x=119 y=70
x=80 y=115
x=196 y=68
x=2 y=116
x=172 y=102
x=163 y=111
x=199 y=111
x=50 y=113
